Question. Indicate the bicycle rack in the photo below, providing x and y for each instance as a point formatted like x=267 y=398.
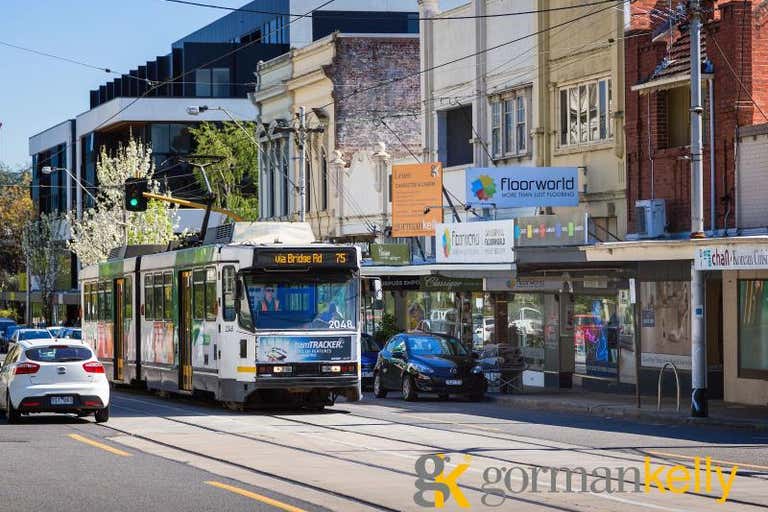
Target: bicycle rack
x=677 y=384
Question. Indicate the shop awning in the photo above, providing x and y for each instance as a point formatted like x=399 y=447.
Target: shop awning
x=476 y=270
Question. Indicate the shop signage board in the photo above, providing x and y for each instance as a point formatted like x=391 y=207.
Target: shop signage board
x=522 y=284
x=747 y=257
x=416 y=189
x=391 y=254
x=476 y=242
x=400 y=283
x=552 y=230
x=514 y=187
x=438 y=283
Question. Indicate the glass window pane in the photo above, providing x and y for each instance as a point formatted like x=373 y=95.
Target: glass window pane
x=753 y=328
x=509 y=132
x=228 y=293
x=583 y=113
x=203 y=83
x=603 y=102
x=159 y=297
x=198 y=292
x=563 y=117
x=593 y=132
x=149 y=298
x=211 y=297
x=522 y=130
x=610 y=108
x=128 y=298
x=496 y=127
x=220 y=82
x=573 y=115
x=168 y=296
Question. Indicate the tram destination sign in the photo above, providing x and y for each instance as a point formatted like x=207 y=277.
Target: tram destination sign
x=342 y=257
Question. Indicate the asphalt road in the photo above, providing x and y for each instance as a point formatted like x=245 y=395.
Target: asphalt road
x=181 y=455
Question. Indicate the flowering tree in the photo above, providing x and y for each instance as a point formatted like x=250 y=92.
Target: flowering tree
x=108 y=225
x=43 y=244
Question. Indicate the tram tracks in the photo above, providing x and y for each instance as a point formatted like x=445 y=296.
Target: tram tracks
x=433 y=448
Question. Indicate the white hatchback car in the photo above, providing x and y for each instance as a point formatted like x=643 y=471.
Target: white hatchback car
x=42 y=375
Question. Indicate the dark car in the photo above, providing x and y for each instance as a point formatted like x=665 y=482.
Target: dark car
x=430 y=363
x=369 y=352
x=7 y=326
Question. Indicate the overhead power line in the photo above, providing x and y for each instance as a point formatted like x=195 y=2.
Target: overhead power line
x=350 y=15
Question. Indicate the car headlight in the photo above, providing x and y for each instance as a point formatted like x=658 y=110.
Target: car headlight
x=477 y=370
x=422 y=368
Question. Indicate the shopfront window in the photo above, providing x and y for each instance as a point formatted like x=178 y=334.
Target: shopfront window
x=596 y=335
x=525 y=313
x=753 y=329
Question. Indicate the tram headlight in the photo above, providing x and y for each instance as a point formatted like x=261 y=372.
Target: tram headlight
x=282 y=369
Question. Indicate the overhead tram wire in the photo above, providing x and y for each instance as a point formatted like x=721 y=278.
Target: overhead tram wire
x=182 y=75
x=350 y=16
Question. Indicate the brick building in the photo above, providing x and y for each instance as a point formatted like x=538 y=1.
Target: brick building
x=657 y=120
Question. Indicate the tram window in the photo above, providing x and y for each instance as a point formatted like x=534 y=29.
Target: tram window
x=228 y=293
x=86 y=301
x=94 y=301
x=167 y=296
x=159 y=297
x=102 y=302
x=108 y=302
x=127 y=299
x=198 y=292
x=210 y=294
x=149 y=298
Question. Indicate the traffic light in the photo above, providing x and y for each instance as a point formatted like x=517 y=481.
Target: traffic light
x=134 y=195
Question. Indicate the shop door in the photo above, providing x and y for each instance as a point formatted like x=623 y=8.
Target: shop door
x=119 y=329
x=185 y=331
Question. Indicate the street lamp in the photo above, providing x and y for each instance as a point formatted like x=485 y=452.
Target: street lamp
x=47 y=169
x=195 y=110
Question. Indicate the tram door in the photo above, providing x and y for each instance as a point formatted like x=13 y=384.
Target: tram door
x=185 y=331
x=119 y=328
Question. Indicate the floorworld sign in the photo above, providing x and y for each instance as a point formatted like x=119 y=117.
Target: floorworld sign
x=748 y=257
x=511 y=187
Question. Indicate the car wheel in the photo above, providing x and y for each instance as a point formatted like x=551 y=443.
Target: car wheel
x=378 y=389
x=11 y=414
x=409 y=389
x=102 y=415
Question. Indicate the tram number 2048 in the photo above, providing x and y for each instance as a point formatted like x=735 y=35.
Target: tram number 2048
x=340 y=324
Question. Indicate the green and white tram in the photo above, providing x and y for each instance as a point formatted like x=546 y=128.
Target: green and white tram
x=267 y=316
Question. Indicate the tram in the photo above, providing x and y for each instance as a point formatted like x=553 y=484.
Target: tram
x=258 y=313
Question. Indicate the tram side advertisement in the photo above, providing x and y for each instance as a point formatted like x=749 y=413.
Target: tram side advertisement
x=303 y=349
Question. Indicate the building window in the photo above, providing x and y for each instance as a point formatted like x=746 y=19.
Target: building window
x=753 y=329
x=678 y=104
x=585 y=113
x=212 y=82
x=454 y=128
x=509 y=124
x=323 y=180
x=308 y=184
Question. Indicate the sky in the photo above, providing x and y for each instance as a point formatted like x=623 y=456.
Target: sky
x=38 y=92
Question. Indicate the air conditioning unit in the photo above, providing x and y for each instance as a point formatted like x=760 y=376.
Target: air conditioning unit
x=651 y=215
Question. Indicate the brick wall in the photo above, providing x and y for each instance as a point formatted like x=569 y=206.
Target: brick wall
x=360 y=63
x=744 y=44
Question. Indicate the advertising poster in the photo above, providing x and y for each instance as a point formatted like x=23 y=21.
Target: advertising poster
x=416 y=188
x=476 y=242
x=665 y=323
x=552 y=230
x=514 y=187
x=303 y=349
x=391 y=254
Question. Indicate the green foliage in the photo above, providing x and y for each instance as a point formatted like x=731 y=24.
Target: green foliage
x=234 y=179
x=387 y=329
x=9 y=313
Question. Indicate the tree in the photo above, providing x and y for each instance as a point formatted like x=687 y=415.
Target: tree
x=108 y=225
x=43 y=244
x=234 y=179
x=15 y=210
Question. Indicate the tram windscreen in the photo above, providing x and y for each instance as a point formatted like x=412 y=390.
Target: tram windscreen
x=323 y=303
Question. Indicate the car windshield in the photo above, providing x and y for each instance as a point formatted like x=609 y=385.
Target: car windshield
x=34 y=334
x=58 y=354
x=323 y=303
x=434 y=345
x=367 y=344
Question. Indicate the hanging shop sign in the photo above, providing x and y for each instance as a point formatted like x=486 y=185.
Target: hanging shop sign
x=417 y=199
x=552 y=230
x=747 y=257
x=514 y=187
x=390 y=283
x=476 y=242
x=522 y=284
x=390 y=254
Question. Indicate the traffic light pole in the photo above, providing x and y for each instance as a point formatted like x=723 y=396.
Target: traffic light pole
x=191 y=204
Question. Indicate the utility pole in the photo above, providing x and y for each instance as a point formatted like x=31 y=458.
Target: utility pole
x=302 y=138
x=699 y=407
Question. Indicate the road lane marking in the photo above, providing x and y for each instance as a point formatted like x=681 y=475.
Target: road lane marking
x=254 y=496
x=107 y=448
x=725 y=462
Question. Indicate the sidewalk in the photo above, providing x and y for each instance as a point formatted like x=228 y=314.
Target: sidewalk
x=721 y=414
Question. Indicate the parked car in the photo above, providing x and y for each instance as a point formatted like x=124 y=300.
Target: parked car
x=5 y=324
x=71 y=333
x=427 y=362
x=369 y=352
x=29 y=334
x=42 y=375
